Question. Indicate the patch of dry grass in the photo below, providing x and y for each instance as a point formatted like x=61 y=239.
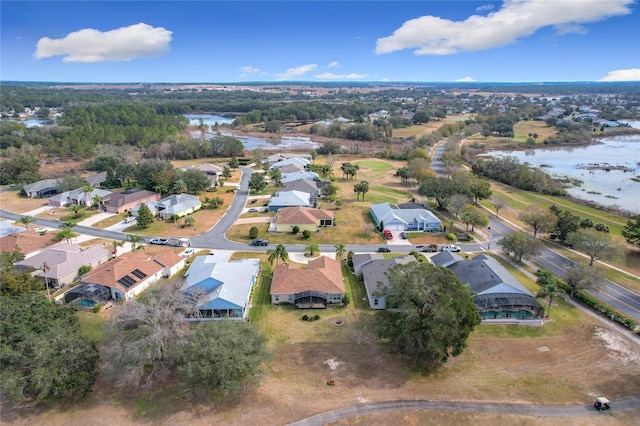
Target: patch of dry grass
x=11 y=201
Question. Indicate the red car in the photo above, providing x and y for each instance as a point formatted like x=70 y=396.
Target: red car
x=388 y=235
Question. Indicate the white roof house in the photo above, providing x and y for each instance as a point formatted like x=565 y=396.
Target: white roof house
x=292 y=160
x=179 y=204
x=288 y=177
x=289 y=199
x=405 y=217
x=224 y=287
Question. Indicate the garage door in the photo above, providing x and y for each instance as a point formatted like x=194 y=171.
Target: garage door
x=394 y=226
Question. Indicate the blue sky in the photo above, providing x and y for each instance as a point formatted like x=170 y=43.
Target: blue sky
x=243 y=41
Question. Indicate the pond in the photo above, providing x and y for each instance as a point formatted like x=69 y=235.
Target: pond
x=609 y=171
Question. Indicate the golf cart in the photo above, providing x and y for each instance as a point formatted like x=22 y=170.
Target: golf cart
x=602 y=403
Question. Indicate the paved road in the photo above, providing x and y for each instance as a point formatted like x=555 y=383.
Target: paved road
x=615 y=295
x=621 y=405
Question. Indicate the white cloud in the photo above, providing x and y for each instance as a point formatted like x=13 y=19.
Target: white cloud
x=632 y=74
x=247 y=71
x=334 y=64
x=431 y=35
x=296 y=72
x=122 y=44
x=465 y=79
x=485 y=8
x=332 y=76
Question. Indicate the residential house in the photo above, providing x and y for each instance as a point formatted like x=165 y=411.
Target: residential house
x=275 y=158
x=404 y=217
x=288 y=177
x=63 y=262
x=289 y=199
x=79 y=196
x=317 y=286
x=178 y=204
x=291 y=168
x=374 y=274
x=41 y=188
x=121 y=202
x=27 y=242
x=498 y=295
x=223 y=288
x=125 y=277
x=361 y=259
x=302 y=162
x=304 y=185
x=96 y=179
x=305 y=218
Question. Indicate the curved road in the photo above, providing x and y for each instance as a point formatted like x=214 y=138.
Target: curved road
x=626 y=404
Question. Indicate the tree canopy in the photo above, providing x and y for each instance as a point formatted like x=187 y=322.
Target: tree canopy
x=430 y=314
x=43 y=354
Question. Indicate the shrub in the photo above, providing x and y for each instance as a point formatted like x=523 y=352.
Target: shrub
x=295 y=229
x=306 y=234
x=253 y=232
x=451 y=237
x=316 y=317
x=586 y=223
x=305 y=317
x=345 y=300
x=602 y=227
x=97 y=307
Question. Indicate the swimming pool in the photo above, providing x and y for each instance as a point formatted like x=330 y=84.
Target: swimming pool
x=86 y=303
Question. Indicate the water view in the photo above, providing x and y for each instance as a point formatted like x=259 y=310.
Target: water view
x=609 y=171
x=208 y=119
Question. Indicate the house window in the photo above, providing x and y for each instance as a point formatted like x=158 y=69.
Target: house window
x=276 y=298
x=375 y=302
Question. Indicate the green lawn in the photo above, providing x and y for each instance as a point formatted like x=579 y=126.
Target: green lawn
x=375 y=165
x=355 y=289
x=91 y=325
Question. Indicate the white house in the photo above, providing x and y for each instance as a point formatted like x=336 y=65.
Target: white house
x=223 y=287
x=404 y=217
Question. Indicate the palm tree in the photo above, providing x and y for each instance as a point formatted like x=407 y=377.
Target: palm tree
x=65 y=233
x=550 y=288
x=160 y=189
x=45 y=270
x=26 y=220
x=97 y=201
x=341 y=249
x=75 y=209
x=312 y=249
x=189 y=220
x=87 y=190
x=136 y=240
x=116 y=244
x=280 y=253
x=180 y=186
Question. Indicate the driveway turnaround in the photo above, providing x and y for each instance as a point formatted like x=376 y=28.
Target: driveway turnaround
x=625 y=404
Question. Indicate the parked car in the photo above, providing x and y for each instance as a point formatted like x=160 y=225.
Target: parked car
x=450 y=247
x=188 y=252
x=160 y=241
x=252 y=210
x=384 y=250
x=403 y=235
x=428 y=249
x=129 y=219
x=260 y=242
x=40 y=230
x=387 y=234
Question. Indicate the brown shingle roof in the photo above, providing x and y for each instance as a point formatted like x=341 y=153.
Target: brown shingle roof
x=119 y=199
x=302 y=215
x=28 y=241
x=109 y=273
x=323 y=275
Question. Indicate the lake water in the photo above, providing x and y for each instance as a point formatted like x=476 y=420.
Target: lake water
x=208 y=119
x=34 y=122
x=249 y=142
x=620 y=155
